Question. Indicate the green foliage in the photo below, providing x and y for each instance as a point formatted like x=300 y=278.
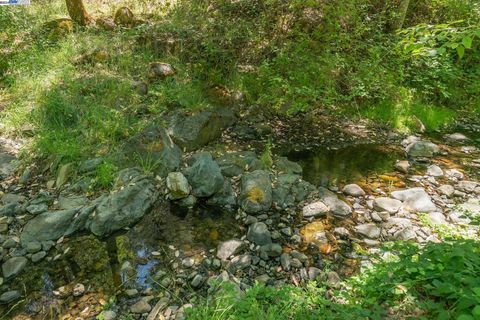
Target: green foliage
x=438 y=281
x=105 y=174
x=266 y=156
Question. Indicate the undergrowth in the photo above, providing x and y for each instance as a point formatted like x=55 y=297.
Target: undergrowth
x=437 y=281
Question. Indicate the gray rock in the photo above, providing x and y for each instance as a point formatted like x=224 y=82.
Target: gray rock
x=9 y=296
x=140 y=307
x=369 y=230
x=226 y=197
x=188 y=202
x=456 y=138
x=48 y=226
x=437 y=217
x=315 y=209
x=236 y=163
x=353 y=190
x=194 y=130
x=89 y=165
x=155 y=146
x=239 y=262
x=422 y=149
x=387 y=204
x=121 y=209
x=188 y=262
x=283 y=165
x=314 y=273
x=177 y=185
x=467 y=186
x=7 y=164
x=228 y=248
x=64 y=173
x=10 y=198
x=402 y=166
x=10 y=210
x=13 y=266
x=33 y=247
x=259 y=234
x=446 y=190
x=434 y=171
x=71 y=202
x=256 y=192
x=463 y=213
x=107 y=214
x=415 y=199
x=337 y=207
x=197 y=280
x=9 y=243
x=38 y=256
x=285 y=261
x=272 y=249
x=108 y=315
x=204 y=176
x=37 y=208
x=25 y=177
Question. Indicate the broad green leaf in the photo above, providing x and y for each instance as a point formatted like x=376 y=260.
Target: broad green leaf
x=467 y=42
x=461 y=51
x=465 y=317
x=476 y=311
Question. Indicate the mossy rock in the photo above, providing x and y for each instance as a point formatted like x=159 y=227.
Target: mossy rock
x=256 y=192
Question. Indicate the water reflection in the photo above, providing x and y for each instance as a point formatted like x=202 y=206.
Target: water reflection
x=352 y=164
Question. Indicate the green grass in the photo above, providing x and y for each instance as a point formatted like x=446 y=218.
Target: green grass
x=86 y=109
x=401 y=115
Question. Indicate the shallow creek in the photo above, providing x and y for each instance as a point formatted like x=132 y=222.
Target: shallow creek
x=132 y=258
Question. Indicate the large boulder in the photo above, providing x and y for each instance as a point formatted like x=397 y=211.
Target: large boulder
x=256 y=191
x=415 y=199
x=290 y=189
x=422 y=149
x=107 y=214
x=154 y=147
x=204 y=176
x=338 y=208
x=194 y=130
x=49 y=226
x=122 y=208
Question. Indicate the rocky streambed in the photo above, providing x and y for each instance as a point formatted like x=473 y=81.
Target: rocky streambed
x=159 y=240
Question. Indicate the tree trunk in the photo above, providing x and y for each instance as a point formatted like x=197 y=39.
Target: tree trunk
x=400 y=15
x=77 y=12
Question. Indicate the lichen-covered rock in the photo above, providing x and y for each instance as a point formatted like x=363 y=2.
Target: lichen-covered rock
x=177 y=185
x=204 y=176
x=256 y=191
x=154 y=147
